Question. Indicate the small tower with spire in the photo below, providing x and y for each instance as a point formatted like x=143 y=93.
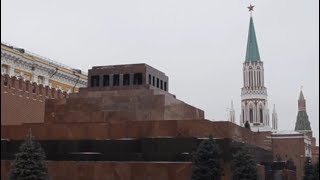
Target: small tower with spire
x=274 y=118
x=302 y=123
x=232 y=113
x=254 y=98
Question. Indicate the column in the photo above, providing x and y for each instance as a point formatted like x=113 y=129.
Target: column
x=111 y=79
x=46 y=81
x=131 y=78
x=262 y=77
x=34 y=77
x=100 y=80
x=247 y=78
x=11 y=70
x=120 y=79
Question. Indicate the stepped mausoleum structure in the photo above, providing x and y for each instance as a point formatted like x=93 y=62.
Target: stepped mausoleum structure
x=132 y=125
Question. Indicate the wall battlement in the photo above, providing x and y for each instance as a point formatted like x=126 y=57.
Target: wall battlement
x=23 y=101
x=26 y=88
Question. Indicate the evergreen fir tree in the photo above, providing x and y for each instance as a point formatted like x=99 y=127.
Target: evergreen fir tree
x=206 y=161
x=29 y=163
x=308 y=170
x=247 y=125
x=244 y=166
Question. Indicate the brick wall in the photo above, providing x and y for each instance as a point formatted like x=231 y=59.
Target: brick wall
x=293 y=148
x=288 y=175
x=102 y=170
x=81 y=170
x=23 y=101
x=314 y=150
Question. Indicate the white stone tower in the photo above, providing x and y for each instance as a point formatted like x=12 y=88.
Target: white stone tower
x=254 y=103
x=232 y=114
x=274 y=118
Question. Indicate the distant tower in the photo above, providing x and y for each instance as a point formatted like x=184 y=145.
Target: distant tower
x=274 y=118
x=232 y=113
x=254 y=103
x=302 y=123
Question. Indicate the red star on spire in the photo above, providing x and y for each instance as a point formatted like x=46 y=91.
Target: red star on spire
x=250 y=8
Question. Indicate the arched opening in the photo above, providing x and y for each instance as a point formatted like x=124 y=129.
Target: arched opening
x=251 y=115
x=261 y=115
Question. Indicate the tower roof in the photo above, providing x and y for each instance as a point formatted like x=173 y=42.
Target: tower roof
x=302 y=123
x=252 y=53
x=301 y=97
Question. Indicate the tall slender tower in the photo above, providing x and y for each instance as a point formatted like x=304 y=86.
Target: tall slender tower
x=254 y=103
x=302 y=123
x=232 y=114
x=274 y=118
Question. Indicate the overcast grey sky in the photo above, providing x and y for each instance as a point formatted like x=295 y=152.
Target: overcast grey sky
x=200 y=45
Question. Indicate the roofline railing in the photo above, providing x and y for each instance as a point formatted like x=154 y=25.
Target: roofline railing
x=50 y=61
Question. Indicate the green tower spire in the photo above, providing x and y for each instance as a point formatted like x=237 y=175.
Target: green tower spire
x=302 y=123
x=301 y=97
x=252 y=45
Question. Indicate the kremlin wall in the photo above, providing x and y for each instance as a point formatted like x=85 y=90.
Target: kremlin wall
x=23 y=101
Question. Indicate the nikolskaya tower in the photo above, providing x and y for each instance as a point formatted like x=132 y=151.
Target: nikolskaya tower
x=254 y=97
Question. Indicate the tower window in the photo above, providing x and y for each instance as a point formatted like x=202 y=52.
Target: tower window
x=40 y=80
x=116 y=80
x=161 y=84
x=4 y=69
x=165 y=86
x=261 y=116
x=251 y=115
x=249 y=79
x=106 y=80
x=126 y=79
x=244 y=79
x=153 y=81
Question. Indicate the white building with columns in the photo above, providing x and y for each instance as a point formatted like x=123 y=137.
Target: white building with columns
x=29 y=66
